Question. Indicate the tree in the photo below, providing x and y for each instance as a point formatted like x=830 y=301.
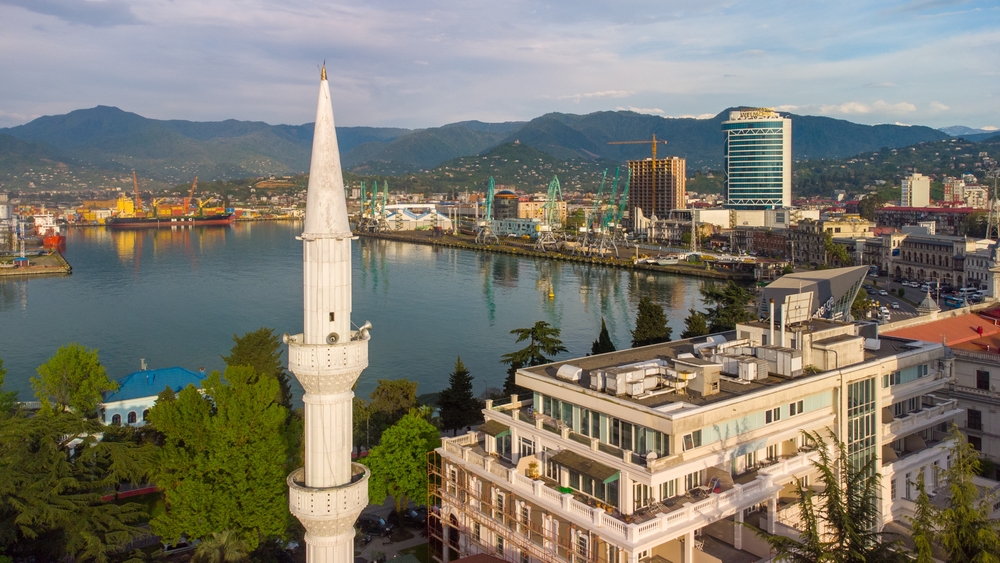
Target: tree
x=399 y=463
x=726 y=306
x=223 y=547
x=389 y=402
x=72 y=379
x=922 y=524
x=869 y=205
x=50 y=500
x=650 y=324
x=963 y=527
x=695 y=325
x=222 y=464
x=861 y=306
x=603 y=344
x=8 y=399
x=261 y=350
x=788 y=269
x=458 y=405
x=847 y=507
x=543 y=339
x=510 y=387
x=836 y=253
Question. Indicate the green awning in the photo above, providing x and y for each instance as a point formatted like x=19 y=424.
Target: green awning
x=495 y=428
x=576 y=462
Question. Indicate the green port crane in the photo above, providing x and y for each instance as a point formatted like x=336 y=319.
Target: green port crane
x=484 y=229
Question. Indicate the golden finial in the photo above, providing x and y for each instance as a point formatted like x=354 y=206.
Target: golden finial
x=322 y=72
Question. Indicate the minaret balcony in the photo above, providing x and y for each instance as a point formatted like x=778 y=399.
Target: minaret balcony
x=324 y=369
x=328 y=511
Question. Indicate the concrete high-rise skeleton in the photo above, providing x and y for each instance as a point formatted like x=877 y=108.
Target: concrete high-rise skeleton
x=329 y=493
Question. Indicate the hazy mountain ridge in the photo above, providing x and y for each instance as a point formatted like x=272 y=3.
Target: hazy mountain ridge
x=173 y=151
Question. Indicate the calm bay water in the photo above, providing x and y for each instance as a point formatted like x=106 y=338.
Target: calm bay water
x=178 y=297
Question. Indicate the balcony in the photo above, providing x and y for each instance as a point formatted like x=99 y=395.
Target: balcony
x=670 y=518
x=940 y=410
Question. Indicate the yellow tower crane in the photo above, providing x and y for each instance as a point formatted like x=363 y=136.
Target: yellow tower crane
x=654 y=142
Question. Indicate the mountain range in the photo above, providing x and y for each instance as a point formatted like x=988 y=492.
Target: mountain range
x=109 y=141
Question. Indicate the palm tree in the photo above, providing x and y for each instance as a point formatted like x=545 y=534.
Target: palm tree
x=847 y=506
x=223 y=547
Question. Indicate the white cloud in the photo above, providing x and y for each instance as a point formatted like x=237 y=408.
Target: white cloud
x=855 y=108
x=989 y=128
x=606 y=94
x=938 y=106
x=656 y=111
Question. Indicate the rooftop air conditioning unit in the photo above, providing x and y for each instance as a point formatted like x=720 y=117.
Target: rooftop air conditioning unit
x=569 y=373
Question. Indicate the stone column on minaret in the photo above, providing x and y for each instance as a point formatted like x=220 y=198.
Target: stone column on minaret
x=329 y=493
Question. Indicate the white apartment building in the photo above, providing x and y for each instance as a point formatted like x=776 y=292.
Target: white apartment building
x=660 y=454
x=916 y=191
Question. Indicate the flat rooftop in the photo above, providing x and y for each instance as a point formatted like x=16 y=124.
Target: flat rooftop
x=728 y=387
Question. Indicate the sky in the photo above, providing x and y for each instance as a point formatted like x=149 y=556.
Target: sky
x=426 y=63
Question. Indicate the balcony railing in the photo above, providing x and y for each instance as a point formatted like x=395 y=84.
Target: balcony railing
x=682 y=518
x=928 y=416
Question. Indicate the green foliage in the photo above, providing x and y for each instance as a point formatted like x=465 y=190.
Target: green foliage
x=399 y=463
x=223 y=547
x=72 y=379
x=650 y=324
x=459 y=407
x=861 y=306
x=964 y=527
x=391 y=399
x=222 y=465
x=510 y=386
x=8 y=399
x=695 y=325
x=361 y=414
x=261 y=350
x=869 y=205
x=543 y=340
x=922 y=524
x=727 y=305
x=847 y=509
x=788 y=269
x=835 y=253
x=603 y=344
x=901 y=292
x=50 y=501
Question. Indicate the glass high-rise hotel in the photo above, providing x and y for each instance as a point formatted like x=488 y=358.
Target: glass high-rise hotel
x=758 y=159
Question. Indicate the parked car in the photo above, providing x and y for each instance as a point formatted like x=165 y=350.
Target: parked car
x=413 y=517
x=374 y=524
x=895 y=305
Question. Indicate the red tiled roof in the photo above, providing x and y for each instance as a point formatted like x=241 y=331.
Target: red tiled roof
x=953 y=332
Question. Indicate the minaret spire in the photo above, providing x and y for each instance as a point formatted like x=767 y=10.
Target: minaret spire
x=329 y=493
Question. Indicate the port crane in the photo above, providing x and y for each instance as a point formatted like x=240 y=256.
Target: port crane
x=588 y=232
x=381 y=224
x=138 y=200
x=484 y=227
x=189 y=202
x=550 y=216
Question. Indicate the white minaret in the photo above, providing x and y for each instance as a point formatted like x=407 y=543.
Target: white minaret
x=328 y=494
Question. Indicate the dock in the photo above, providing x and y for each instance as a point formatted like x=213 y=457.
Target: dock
x=47 y=264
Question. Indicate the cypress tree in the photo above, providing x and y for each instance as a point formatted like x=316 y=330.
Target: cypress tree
x=458 y=405
x=695 y=325
x=650 y=324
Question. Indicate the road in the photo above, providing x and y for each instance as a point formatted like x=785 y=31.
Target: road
x=905 y=310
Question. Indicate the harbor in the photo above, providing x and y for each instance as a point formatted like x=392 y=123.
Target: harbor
x=36 y=263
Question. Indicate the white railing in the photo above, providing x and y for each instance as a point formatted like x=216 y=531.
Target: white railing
x=920 y=419
x=691 y=516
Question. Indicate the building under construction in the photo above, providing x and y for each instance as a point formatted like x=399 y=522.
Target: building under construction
x=657 y=186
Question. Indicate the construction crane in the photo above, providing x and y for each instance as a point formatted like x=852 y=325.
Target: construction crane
x=484 y=229
x=654 y=142
x=138 y=200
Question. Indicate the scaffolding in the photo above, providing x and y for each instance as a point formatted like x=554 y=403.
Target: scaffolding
x=474 y=515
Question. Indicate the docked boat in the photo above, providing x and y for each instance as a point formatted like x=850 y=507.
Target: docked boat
x=49 y=232
x=169 y=221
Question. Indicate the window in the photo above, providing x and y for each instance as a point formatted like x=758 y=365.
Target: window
x=923 y=370
x=525 y=519
x=975 y=420
x=977 y=443
x=795 y=408
x=692 y=480
x=585 y=422
x=772 y=451
x=145 y=415
x=499 y=545
x=452 y=480
x=692 y=440
x=581 y=547
x=477 y=531
x=641 y=495
x=772 y=415
x=132 y=417
x=612 y=553
x=898 y=409
x=524 y=557
x=668 y=489
x=499 y=509
x=116 y=420
x=982 y=379
x=527 y=447
x=892 y=489
x=914 y=404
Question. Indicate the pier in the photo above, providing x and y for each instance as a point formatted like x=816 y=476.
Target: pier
x=45 y=264
x=518 y=248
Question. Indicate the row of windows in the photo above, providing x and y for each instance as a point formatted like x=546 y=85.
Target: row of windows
x=609 y=430
x=132 y=417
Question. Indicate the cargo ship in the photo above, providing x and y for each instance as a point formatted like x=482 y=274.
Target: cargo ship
x=131 y=215
x=48 y=231
x=169 y=221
